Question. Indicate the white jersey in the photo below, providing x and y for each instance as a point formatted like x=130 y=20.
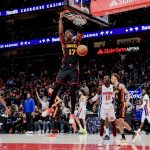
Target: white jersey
x=107 y=95
x=82 y=107
x=146 y=104
x=107 y=109
x=44 y=104
x=83 y=102
x=146 y=108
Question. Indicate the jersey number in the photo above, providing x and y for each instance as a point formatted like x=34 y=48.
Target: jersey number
x=107 y=97
x=72 y=51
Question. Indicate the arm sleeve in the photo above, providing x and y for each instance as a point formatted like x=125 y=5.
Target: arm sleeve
x=95 y=98
x=39 y=98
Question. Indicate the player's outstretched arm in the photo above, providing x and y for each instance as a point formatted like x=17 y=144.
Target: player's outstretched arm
x=79 y=34
x=95 y=98
x=61 y=30
x=95 y=105
x=38 y=97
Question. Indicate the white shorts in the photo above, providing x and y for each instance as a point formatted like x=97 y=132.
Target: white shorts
x=144 y=116
x=108 y=112
x=82 y=113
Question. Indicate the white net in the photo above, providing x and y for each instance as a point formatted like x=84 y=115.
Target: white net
x=78 y=20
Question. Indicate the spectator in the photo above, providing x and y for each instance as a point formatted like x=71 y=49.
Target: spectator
x=131 y=66
x=64 y=121
x=85 y=88
x=136 y=117
x=130 y=85
x=43 y=101
x=29 y=107
x=123 y=57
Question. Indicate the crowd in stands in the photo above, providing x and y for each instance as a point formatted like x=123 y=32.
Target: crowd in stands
x=40 y=27
x=45 y=24
x=18 y=79
x=25 y=77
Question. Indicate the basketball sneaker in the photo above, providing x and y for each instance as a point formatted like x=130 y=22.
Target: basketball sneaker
x=47 y=112
x=62 y=131
x=135 y=136
x=107 y=137
x=116 y=143
x=47 y=131
x=39 y=132
x=122 y=140
x=138 y=131
x=84 y=131
x=101 y=143
x=27 y=132
x=30 y=132
x=81 y=131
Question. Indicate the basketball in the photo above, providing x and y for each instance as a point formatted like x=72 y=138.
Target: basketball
x=82 y=50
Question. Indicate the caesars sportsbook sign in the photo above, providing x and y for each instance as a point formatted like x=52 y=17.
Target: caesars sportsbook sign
x=105 y=7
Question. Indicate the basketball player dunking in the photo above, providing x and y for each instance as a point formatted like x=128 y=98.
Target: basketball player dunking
x=107 y=109
x=69 y=70
x=120 y=92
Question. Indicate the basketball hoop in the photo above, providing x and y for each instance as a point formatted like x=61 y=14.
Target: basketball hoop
x=78 y=20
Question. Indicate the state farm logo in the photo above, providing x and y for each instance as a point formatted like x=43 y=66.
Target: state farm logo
x=114 y=3
x=118 y=50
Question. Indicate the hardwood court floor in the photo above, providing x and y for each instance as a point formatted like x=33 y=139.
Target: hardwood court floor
x=67 y=142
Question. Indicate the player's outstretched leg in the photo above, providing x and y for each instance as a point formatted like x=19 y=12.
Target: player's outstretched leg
x=73 y=102
x=126 y=125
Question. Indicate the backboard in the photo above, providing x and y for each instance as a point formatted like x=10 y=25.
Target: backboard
x=82 y=7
